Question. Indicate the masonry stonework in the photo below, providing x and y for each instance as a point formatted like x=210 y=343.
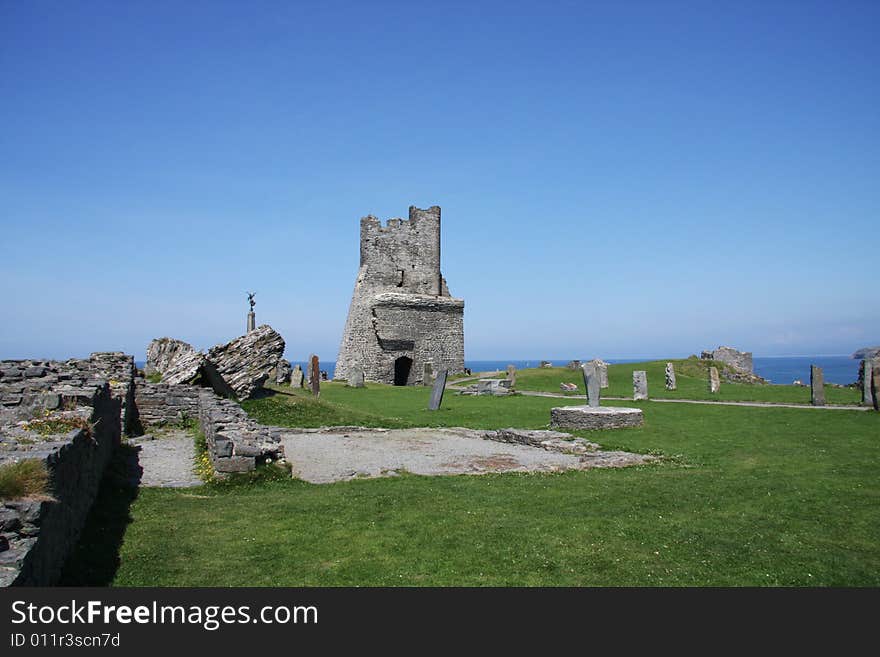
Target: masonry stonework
x=402 y=315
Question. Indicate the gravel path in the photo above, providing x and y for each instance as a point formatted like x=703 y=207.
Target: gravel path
x=167 y=461
x=333 y=455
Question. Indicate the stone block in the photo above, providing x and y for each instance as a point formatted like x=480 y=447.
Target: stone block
x=592 y=417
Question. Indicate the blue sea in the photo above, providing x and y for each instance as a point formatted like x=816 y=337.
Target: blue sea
x=781 y=369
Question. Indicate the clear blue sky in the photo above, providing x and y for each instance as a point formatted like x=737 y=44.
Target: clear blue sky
x=618 y=179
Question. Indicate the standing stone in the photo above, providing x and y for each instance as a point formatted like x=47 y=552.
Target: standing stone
x=640 y=385
x=817 y=386
x=251 y=321
x=428 y=374
x=714 y=380
x=296 y=377
x=875 y=385
x=437 y=390
x=670 y=376
x=591 y=384
x=866 y=370
x=282 y=371
x=511 y=375
x=602 y=370
x=356 y=377
x=315 y=375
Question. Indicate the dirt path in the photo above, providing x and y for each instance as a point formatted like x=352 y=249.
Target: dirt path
x=167 y=460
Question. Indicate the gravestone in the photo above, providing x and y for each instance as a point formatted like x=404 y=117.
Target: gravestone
x=670 y=377
x=296 y=377
x=875 y=385
x=602 y=370
x=714 y=380
x=591 y=384
x=866 y=370
x=428 y=374
x=356 y=377
x=315 y=375
x=437 y=390
x=511 y=375
x=817 y=386
x=640 y=385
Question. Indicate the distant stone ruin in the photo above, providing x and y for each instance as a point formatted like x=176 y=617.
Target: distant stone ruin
x=738 y=360
x=402 y=315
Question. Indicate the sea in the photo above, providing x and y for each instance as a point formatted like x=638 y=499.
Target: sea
x=780 y=369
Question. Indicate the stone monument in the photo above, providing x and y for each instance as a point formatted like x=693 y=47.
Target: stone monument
x=601 y=370
x=640 y=385
x=714 y=380
x=428 y=375
x=296 y=377
x=511 y=375
x=401 y=314
x=356 y=377
x=591 y=384
x=251 y=318
x=315 y=375
x=866 y=370
x=437 y=390
x=670 y=376
x=817 y=386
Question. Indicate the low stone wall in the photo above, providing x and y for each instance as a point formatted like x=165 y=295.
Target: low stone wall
x=163 y=403
x=36 y=536
x=595 y=417
x=235 y=442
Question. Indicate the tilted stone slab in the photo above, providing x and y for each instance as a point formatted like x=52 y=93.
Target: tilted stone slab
x=591 y=417
x=163 y=353
x=244 y=364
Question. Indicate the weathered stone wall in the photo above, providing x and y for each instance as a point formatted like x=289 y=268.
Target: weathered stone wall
x=37 y=535
x=235 y=442
x=401 y=307
x=163 y=403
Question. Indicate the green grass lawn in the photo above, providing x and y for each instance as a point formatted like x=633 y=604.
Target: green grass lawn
x=691 y=379
x=745 y=496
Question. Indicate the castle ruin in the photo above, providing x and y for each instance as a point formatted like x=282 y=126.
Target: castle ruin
x=402 y=316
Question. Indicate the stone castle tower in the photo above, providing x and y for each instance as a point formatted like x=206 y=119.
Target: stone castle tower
x=401 y=315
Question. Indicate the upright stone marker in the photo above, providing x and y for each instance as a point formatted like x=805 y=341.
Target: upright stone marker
x=356 y=377
x=670 y=377
x=875 y=385
x=714 y=380
x=511 y=375
x=428 y=375
x=601 y=370
x=315 y=375
x=591 y=384
x=866 y=375
x=296 y=377
x=437 y=390
x=640 y=385
x=817 y=386
x=251 y=322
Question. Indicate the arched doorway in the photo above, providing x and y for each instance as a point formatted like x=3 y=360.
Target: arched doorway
x=402 y=366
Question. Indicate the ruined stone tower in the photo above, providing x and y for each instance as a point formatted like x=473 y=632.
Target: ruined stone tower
x=401 y=315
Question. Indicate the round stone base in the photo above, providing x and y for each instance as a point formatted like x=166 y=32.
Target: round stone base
x=595 y=417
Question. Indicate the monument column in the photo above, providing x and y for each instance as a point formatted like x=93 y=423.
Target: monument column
x=251 y=322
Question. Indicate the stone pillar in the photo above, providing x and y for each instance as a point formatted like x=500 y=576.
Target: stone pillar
x=315 y=375
x=866 y=370
x=428 y=374
x=640 y=385
x=714 y=380
x=875 y=385
x=251 y=322
x=511 y=375
x=356 y=376
x=670 y=377
x=817 y=386
x=591 y=384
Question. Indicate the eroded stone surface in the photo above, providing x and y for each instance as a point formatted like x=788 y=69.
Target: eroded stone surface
x=589 y=417
x=163 y=353
x=640 y=385
x=244 y=364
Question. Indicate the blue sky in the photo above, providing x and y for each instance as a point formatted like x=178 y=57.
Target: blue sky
x=618 y=179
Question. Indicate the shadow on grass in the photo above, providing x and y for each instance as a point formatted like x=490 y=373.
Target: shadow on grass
x=95 y=559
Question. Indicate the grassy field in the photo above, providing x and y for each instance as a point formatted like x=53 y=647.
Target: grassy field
x=744 y=496
x=691 y=379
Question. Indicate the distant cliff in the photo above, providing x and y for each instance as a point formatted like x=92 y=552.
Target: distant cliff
x=867 y=352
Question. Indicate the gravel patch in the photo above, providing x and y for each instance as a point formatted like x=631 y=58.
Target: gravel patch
x=167 y=461
x=328 y=456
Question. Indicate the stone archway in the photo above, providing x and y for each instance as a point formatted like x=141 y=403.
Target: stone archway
x=402 y=366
